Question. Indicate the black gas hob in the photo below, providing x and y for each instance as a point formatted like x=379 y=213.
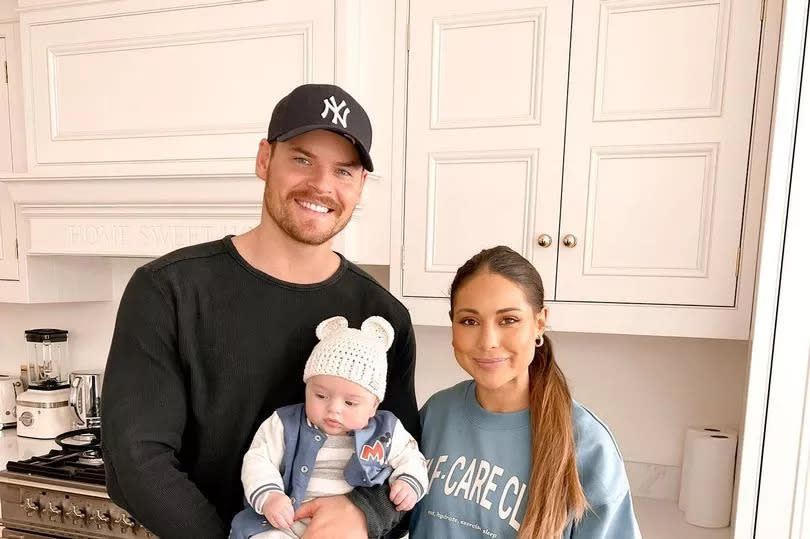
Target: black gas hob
x=66 y=464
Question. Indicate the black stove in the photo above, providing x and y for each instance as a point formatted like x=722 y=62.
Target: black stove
x=84 y=466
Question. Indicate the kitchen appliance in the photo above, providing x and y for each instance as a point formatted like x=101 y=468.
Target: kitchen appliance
x=10 y=387
x=59 y=494
x=85 y=398
x=42 y=410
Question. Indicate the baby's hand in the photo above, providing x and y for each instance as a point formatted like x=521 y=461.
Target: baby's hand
x=278 y=511
x=402 y=495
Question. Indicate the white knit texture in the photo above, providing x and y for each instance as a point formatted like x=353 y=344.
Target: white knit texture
x=357 y=355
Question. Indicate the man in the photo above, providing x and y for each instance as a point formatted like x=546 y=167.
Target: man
x=212 y=338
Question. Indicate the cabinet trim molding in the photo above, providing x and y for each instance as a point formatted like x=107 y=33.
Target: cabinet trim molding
x=130 y=229
x=28 y=6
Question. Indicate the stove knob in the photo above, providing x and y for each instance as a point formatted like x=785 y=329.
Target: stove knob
x=125 y=522
x=29 y=507
x=101 y=519
x=54 y=512
x=77 y=514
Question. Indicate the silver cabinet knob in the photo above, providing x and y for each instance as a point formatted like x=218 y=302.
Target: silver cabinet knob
x=30 y=507
x=125 y=522
x=100 y=519
x=77 y=514
x=544 y=240
x=569 y=240
x=55 y=512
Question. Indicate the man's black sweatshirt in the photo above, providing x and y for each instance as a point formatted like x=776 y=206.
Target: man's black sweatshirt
x=205 y=348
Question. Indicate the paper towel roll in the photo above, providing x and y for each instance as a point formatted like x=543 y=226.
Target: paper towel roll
x=710 y=486
x=691 y=434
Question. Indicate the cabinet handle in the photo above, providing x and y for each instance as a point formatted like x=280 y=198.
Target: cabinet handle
x=544 y=240
x=569 y=240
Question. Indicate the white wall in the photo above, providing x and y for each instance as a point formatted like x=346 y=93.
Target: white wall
x=90 y=324
x=647 y=389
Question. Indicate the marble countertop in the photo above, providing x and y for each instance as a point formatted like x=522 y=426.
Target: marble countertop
x=13 y=447
x=661 y=519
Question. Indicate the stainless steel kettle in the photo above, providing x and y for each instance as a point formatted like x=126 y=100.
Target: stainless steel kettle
x=85 y=398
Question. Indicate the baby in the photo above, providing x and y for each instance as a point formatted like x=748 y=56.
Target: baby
x=334 y=442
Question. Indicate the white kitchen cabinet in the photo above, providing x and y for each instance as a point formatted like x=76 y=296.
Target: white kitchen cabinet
x=128 y=88
x=43 y=279
x=656 y=150
x=183 y=89
x=486 y=125
x=5 y=109
x=8 y=247
x=611 y=143
x=8 y=238
x=659 y=98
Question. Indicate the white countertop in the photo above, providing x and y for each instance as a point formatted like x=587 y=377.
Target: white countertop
x=13 y=447
x=658 y=519
x=661 y=519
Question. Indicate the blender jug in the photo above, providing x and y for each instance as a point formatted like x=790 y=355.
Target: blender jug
x=47 y=358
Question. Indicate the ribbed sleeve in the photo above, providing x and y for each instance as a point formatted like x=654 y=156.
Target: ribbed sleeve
x=144 y=404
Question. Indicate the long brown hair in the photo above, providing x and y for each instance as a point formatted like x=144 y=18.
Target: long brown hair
x=555 y=493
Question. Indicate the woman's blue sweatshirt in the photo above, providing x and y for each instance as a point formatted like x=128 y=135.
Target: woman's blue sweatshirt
x=479 y=464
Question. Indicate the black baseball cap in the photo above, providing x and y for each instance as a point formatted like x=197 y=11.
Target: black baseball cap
x=322 y=106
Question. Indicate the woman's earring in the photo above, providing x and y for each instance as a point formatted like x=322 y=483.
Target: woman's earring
x=538 y=342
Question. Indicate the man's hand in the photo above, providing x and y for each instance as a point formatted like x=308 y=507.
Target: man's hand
x=402 y=495
x=333 y=516
x=278 y=511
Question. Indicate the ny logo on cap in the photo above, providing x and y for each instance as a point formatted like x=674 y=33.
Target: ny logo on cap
x=331 y=105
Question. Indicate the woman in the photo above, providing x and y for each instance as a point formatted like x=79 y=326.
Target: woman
x=510 y=454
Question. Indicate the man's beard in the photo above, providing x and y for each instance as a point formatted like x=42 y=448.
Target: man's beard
x=292 y=228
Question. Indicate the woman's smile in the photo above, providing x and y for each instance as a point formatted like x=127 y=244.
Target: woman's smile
x=490 y=363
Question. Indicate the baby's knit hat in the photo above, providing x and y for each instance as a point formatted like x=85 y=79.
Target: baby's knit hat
x=358 y=355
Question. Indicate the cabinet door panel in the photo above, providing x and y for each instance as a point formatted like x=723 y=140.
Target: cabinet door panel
x=177 y=87
x=486 y=113
x=8 y=248
x=5 y=117
x=659 y=119
x=8 y=251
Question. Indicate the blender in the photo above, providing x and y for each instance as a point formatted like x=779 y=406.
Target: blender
x=42 y=410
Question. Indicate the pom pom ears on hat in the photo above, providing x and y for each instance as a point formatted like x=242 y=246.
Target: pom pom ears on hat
x=375 y=327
